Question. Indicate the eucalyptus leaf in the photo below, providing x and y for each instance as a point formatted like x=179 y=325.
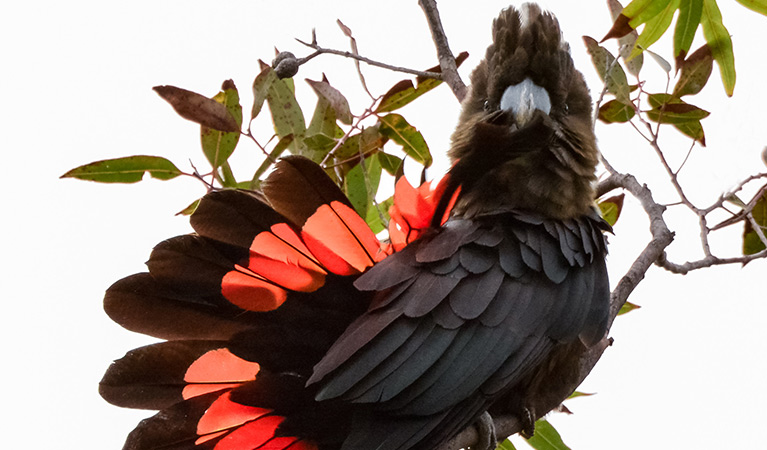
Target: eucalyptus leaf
x=655 y=28
x=130 y=169
x=546 y=437
x=615 y=111
x=611 y=208
x=335 y=99
x=694 y=72
x=217 y=145
x=686 y=25
x=395 y=127
x=609 y=70
x=198 y=108
x=720 y=43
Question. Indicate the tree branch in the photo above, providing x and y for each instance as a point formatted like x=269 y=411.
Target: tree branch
x=446 y=58
x=661 y=238
x=708 y=261
x=346 y=54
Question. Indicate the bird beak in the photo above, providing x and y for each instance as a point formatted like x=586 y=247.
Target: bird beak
x=523 y=99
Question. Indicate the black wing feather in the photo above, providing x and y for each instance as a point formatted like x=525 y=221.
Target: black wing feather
x=488 y=311
x=470 y=298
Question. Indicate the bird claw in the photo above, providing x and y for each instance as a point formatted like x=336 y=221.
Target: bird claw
x=486 y=439
x=528 y=424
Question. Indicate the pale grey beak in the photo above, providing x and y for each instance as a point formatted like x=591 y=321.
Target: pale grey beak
x=523 y=99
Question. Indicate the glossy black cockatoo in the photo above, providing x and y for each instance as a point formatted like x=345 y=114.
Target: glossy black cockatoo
x=289 y=325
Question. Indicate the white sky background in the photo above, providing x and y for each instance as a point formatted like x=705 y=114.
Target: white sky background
x=686 y=371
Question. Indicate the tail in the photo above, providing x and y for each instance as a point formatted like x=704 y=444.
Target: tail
x=247 y=305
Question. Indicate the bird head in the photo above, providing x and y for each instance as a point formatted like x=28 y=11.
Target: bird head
x=525 y=139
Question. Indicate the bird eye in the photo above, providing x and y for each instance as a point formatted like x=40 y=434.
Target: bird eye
x=566 y=108
x=486 y=106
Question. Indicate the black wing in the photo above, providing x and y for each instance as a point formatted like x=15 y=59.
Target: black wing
x=461 y=318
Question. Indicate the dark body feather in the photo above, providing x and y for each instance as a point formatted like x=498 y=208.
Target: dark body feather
x=288 y=327
x=467 y=326
x=494 y=304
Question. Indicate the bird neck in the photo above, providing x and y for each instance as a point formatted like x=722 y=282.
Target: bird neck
x=541 y=169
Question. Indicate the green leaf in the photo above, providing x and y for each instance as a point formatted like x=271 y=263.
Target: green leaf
x=395 y=127
x=319 y=143
x=759 y=6
x=198 y=108
x=627 y=308
x=609 y=70
x=695 y=72
x=751 y=242
x=577 y=394
x=546 y=437
x=261 y=86
x=627 y=42
x=641 y=11
x=735 y=200
x=404 y=92
x=125 y=170
x=655 y=27
x=611 y=208
x=287 y=116
x=633 y=15
x=278 y=149
x=669 y=109
x=677 y=114
x=374 y=213
x=390 y=163
x=616 y=112
x=335 y=99
x=686 y=25
x=361 y=184
x=189 y=210
x=367 y=141
x=506 y=445
x=720 y=43
x=218 y=146
x=291 y=84
x=693 y=129
x=226 y=176
x=324 y=120
x=397 y=96
x=323 y=132
x=658 y=100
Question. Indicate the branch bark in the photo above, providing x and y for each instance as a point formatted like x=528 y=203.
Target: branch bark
x=446 y=58
x=346 y=54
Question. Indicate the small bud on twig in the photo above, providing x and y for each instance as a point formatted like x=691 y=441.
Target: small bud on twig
x=285 y=65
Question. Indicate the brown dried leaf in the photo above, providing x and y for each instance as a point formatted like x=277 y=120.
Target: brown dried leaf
x=695 y=72
x=198 y=108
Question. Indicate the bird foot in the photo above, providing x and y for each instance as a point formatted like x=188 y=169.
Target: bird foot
x=486 y=439
x=528 y=423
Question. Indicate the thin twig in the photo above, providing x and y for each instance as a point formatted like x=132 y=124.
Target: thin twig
x=353 y=42
x=689 y=152
x=708 y=261
x=255 y=141
x=720 y=202
x=356 y=126
x=321 y=50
